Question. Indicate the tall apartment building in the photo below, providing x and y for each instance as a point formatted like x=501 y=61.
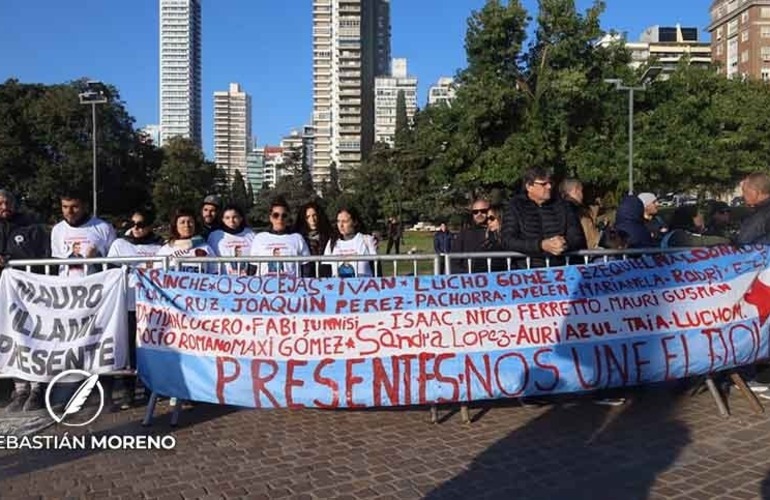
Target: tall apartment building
x=442 y=92
x=152 y=132
x=386 y=89
x=664 y=46
x=740 y=37
x=273 y=157
x=255 y=169
x=351 y=44
x=180 y=69
x=232 y=129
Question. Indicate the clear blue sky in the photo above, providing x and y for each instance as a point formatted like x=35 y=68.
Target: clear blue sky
x=265 y=45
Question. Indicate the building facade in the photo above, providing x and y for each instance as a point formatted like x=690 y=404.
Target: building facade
x=740 y=37
x=152 y=132
x=351 y=40
x=386 y=89
x=180 y=70
x=255 y=169
x=232 y=129
x=664 y=46
x=273 y=162
x=443 y=92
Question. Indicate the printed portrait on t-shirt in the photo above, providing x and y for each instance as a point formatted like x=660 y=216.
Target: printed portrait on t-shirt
x=275 y=266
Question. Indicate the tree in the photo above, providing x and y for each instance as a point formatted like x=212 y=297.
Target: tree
x=184 y=178
x=402 y=121
x=238 y=193
x=250 y=195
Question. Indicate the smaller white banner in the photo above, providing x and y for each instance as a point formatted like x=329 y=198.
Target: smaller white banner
x=50 y=324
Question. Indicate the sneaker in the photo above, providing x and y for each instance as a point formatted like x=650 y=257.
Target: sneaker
x=610 y=401
x=757 y=387
x=34 y=401
x=17 y=402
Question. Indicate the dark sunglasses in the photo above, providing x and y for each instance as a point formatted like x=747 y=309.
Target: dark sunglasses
x=139 y=225
x=543 y=183
x=279 y=215
x=480 y=211
x=492 y=218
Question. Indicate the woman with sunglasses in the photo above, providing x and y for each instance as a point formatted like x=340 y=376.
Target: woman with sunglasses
x=278 y=241
x=348 y=239
x=313 y=225
x=232 y=239
x=186 y=242
x=139 y=241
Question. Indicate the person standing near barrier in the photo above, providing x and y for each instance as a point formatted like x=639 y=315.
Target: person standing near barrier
x=349 y=239
x=538 y=224
x=629 y=219
x=442 y=240
x=232 y=239
x=210 y=215
x=21 y=238
x=185 y=242
x=79 y=235
x=756 y=193
x=140 y=241
x=475 y=239
x=571 y=191
x=278 y=241
x=395 y=234
x=685 y=230
x=313 y=225
x=656 y=226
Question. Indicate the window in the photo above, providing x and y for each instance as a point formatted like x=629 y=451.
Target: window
x=719 y=49
x=719 y=33
x=765 y=31
x=732 y=28
x=765 y=53
x=745 y=36
x=745 y=56
x=744 y=18
x=764 y=12
x=766 y=74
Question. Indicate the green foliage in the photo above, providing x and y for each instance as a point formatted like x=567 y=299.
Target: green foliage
x=238 y=193
x=184 y=178
x=402 y=121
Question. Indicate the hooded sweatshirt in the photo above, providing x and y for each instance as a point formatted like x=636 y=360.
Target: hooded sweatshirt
x=630 y=219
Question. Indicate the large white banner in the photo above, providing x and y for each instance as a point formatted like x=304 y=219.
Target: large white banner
x=49 y=324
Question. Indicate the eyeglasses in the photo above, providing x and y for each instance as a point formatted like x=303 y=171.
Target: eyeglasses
x=139 y=224
x=478 y=211
x=543 y=183
x=279 y=215
x=492 y=218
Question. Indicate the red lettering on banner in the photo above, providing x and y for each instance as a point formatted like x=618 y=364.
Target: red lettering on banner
x=548 y=367
x=484 y=379
x=380 y=380
x=686 y=351
x=407 y=359
x=597 y=365
x=639 y=361
x=666 y=355
x=259 y=382
x=423 y=377
x=223 y=379
x=525 y=377
x=291 y=382
x=351 y=381
x=446 y=380
x=621 y=367
x=327 y=382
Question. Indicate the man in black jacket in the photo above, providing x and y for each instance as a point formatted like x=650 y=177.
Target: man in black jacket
x=474 y=239
x=539 y=225
x=756 y=227
x=21 y=238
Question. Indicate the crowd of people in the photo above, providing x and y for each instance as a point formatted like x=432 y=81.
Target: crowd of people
x=538 y=223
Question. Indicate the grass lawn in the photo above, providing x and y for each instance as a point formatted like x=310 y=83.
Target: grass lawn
x=422 y=242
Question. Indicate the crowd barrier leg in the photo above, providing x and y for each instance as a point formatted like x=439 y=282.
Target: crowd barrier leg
x=464 y=414
x=718 y=399
x=737 y=379
x=148 y=414
x=177 y=408
x=433 y=414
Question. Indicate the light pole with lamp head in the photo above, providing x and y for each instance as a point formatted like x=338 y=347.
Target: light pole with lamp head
x=650 y=74
x=93 y=95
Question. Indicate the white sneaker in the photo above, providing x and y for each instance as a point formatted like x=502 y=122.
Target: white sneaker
x=757 y=387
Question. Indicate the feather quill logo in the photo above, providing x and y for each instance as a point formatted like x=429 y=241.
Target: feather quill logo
x=78 y=399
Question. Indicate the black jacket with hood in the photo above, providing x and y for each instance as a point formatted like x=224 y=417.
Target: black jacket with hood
x=630 y=219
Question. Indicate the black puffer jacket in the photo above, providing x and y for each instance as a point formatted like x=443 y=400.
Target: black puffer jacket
x=756 y=227
x=21 y=237
x=526 y=224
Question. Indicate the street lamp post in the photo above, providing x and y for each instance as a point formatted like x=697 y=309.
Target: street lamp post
x=647 y=77
x=92 y=96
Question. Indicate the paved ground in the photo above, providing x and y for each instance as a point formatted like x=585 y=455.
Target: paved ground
x=659 y=445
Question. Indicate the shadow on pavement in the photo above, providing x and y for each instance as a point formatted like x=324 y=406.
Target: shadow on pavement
x=579 y=450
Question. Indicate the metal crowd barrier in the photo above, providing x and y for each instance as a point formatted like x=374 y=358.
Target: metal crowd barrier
x=435 y=264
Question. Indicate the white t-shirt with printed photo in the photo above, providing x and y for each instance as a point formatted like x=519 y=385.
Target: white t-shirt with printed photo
x=194 y=247
x=232 y=245
x=287 y=245
x=93 y=237
x=125 y=248
x=360 y=244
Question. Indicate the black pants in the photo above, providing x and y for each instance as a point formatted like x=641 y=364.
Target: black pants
x=396 y=242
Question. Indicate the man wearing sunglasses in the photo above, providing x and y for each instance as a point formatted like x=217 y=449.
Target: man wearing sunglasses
x=538 y=225
x=278 y=241
x=475 y=239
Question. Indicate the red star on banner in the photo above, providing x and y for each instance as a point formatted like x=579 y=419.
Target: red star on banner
x=759 y=296
x=350 y=344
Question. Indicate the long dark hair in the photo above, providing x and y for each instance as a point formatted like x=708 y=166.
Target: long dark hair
x=357 y=223
x=182 y=212
x=316 y=245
